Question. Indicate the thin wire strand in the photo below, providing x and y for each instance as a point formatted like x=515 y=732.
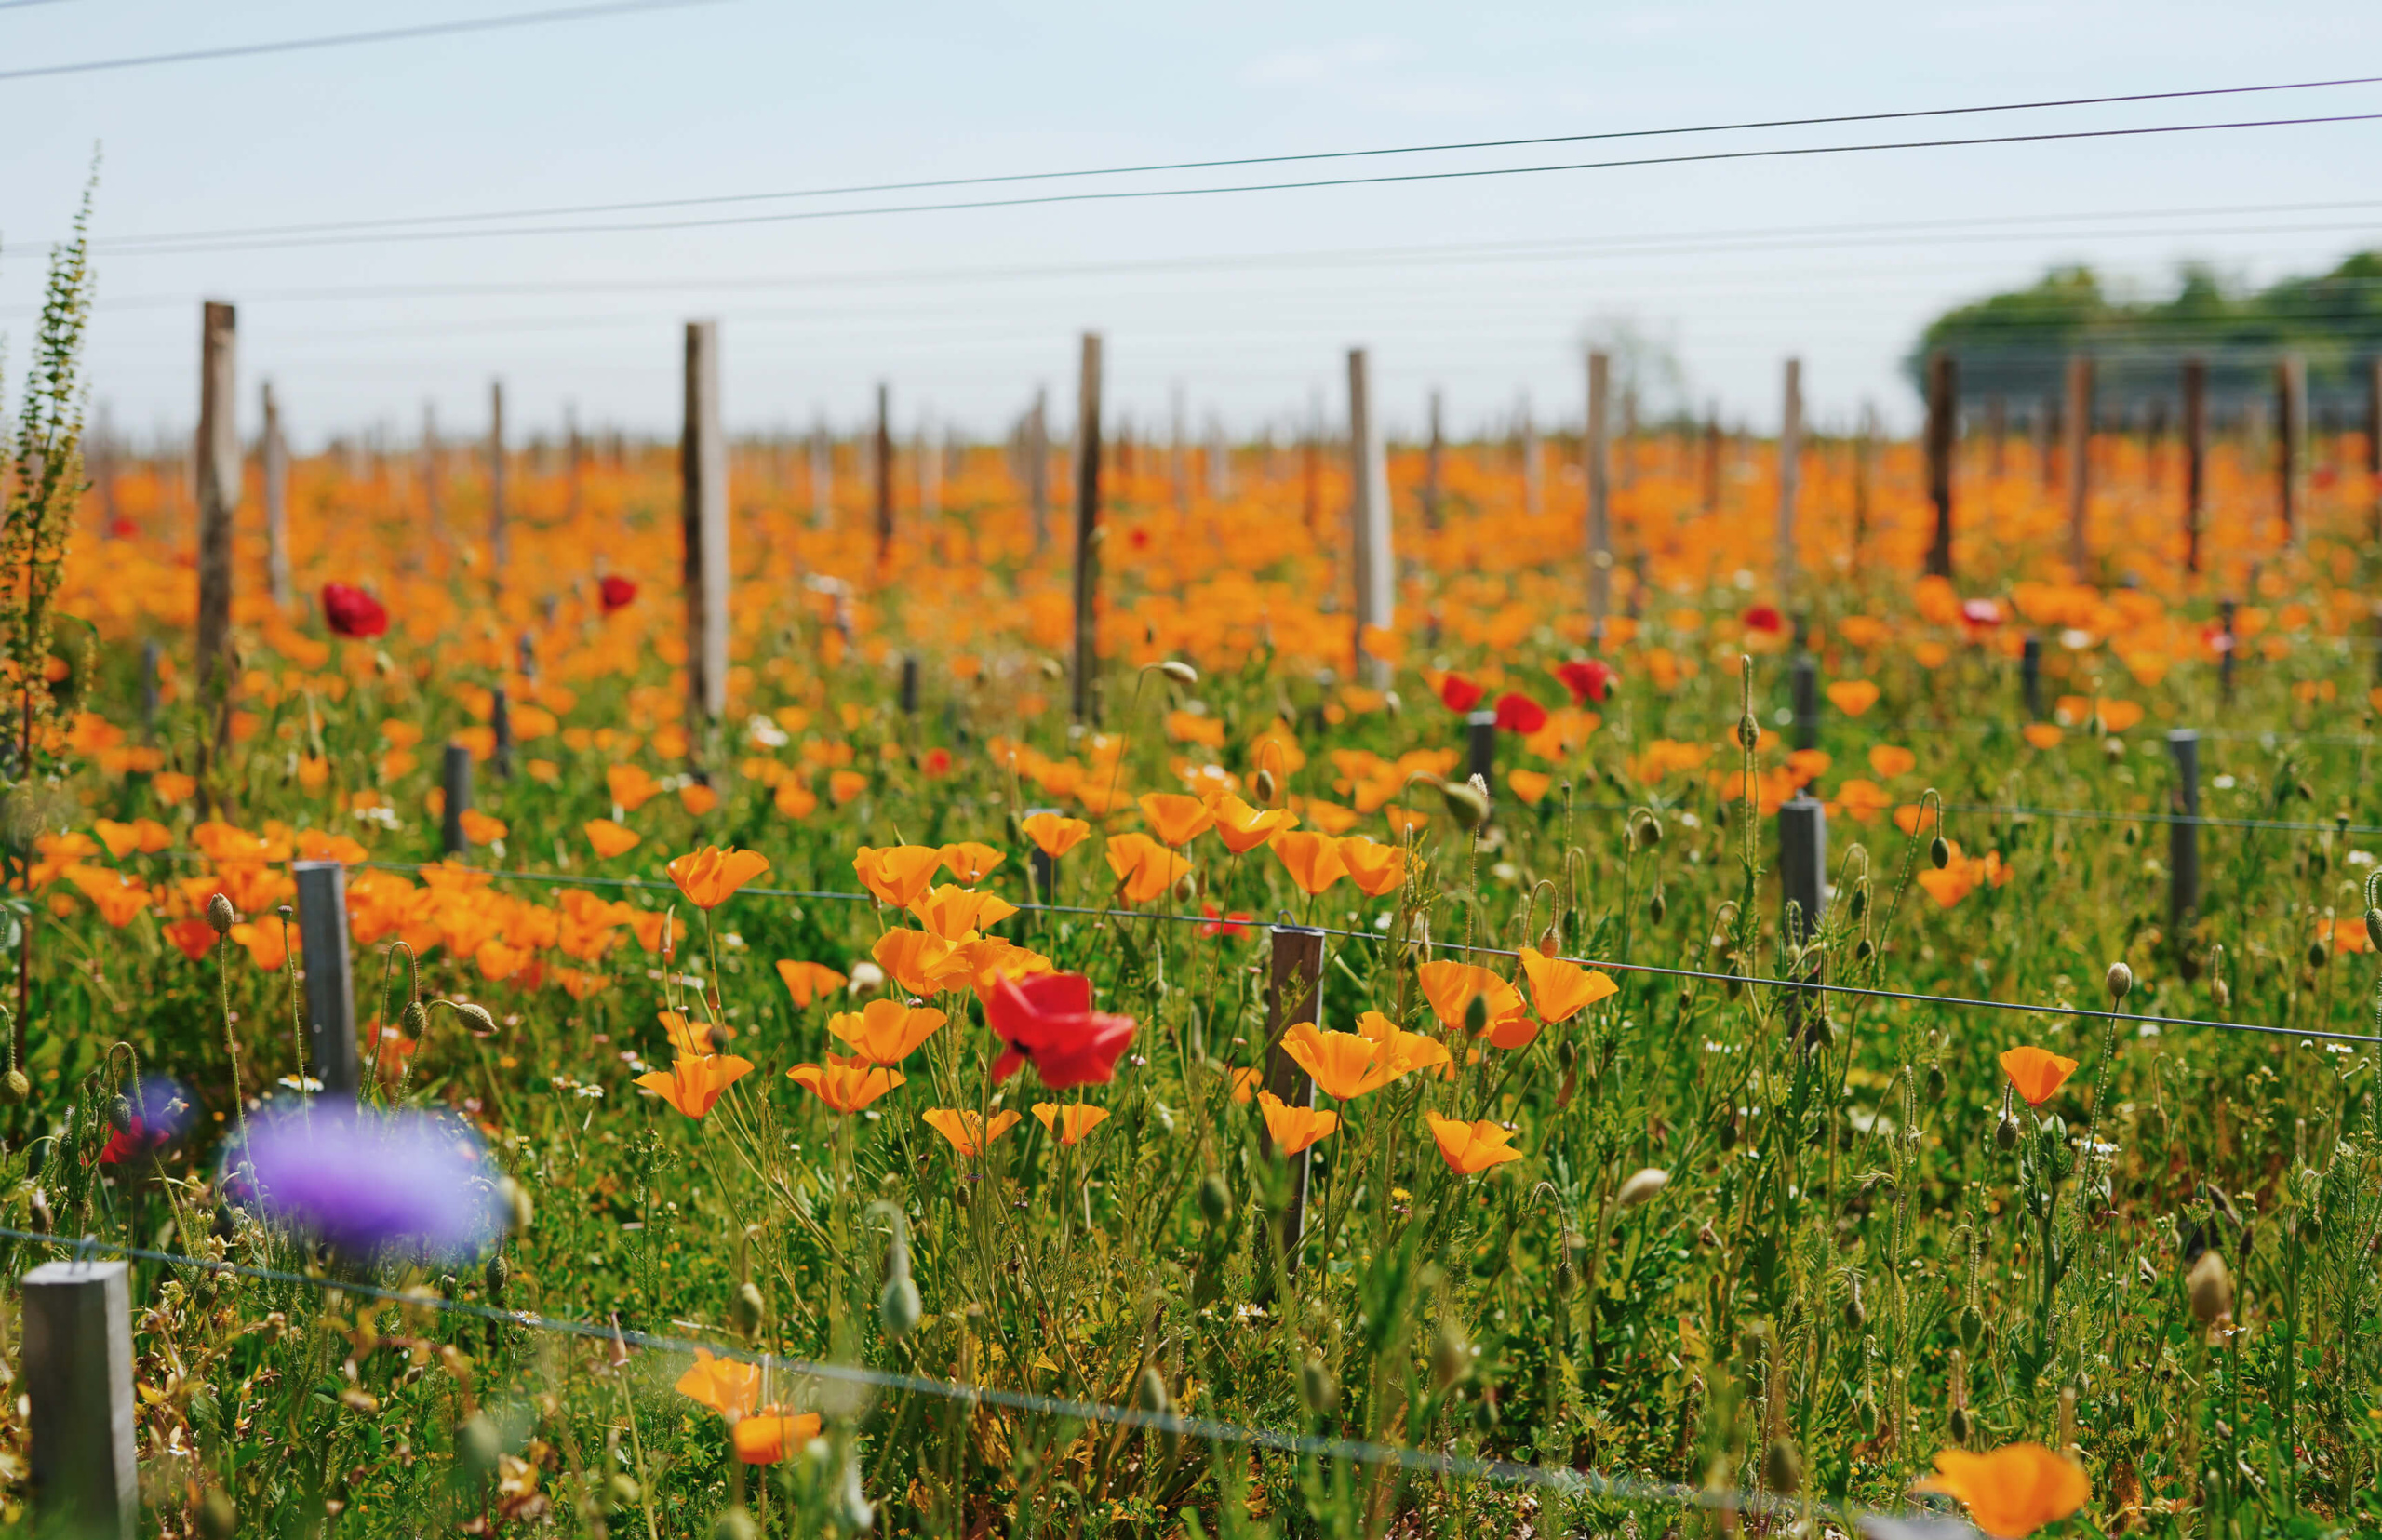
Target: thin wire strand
x=341 y=40
x=1556 y=1478
x=1309 y=184
x=562 y=210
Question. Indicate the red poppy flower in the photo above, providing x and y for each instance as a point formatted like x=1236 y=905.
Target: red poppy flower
x=123 y=529
x=349 y=612
x=936 y=762
x=126 y=1143
x=1981 y=613
x=1047 y=1020
x=1587 y=678
x=1519 y=713
x=1764 y=617
x=617 y=592
x=1458 y=692
x=1234 y=924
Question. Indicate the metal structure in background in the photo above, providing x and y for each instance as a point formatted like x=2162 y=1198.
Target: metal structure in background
x=77 y=1356
x=455 y=781
x=330 y=989
x=1293 y=994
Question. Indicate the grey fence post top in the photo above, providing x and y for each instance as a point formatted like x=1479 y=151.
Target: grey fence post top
x=76 y=1353
x=77 y=1271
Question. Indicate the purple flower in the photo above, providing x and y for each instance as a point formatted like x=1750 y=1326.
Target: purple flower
x=363 y=1180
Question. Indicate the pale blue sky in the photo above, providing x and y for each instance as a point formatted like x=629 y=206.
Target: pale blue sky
x=748 y=96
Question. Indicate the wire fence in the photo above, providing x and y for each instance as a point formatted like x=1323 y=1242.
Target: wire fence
x=1558 y=1479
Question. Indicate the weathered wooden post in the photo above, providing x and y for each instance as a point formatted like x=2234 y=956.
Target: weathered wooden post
x=1595 y=452
x=2228 y=645
x=1038 y=468
x=1534 y=471
x=1219 y=460
x=430 y=464
x=2079 y=462
x=1087 y=594
x=1997 y=433
x=2183 y=833
x=1802 y=882
x=1791 y=457
x=330 y=993
x=1294 y=994
x=884 y=473
x=455 y=778
x=273 y=456
x=2195 y=457
x=2373 y=442
x=219 y=499
x=702 y=465
x=2291 y=456
x=822 y=479
x=909 y=684
x=1480 y=748
x=500 y=726
x=1376 y=564
x=1178 y=453
x=498 y=543
x=1432 y=451
x=1806 y=688
x=2030 y=677
x=1943 y=432
x=77 y=1362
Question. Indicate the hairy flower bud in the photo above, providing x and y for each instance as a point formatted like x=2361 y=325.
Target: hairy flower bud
x=2210 y=1288
x=1640 y=1188
x=1316 y=1388
x=15 y=1088
x=220 y=914
x=498 y=1273
x=1856 y=1314
x=1468 y=803
x=1939 y=852
x=1476 y=1014
x=1450 y=1356
x=1782 y=1467
x=2005 y=1133
x=1215 y=1199
x=1180 y=672
x=745 y=1310
x=1972 y=1328
x=416 y=1020
x=477 y=1016
x=1264 y=786
x=2119 y=979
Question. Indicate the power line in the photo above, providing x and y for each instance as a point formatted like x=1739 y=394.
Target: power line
x=1387 y=179
x=853 y=189
x=341 y=40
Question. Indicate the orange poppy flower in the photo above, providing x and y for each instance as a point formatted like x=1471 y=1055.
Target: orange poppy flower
x=966 y=1130
x=710 y=876
x=630 y=787
x=1562 y=990
x=609 y=839
x=1344 y=1064
x=1069 y=1123
x=728 y=1386
x=2036 y=1074
x=970 y=862
x=1469 y=1148
x=1450 y=986
x=691 y=1039
x=2012 y=1492
x=1312 y=858
x=1853 y=696
x=846 y=1085
x=195 y=936
x=886 y=1031
x=1531 y=785
x=1294 y=1128
x=692 y=1083
x=1375 y=867
x=1177 y=819
x=118 y=897
x=919 y=961
x=993 y=959
x=267 y=942
x=1329 y=817
x=2042 y=736
x=898 y=875
x=808 y=982
x=697 y=798
x=1888 y=760
x=766 y=1438
x=1245 y=1082
x=794 y=798
x=955 y=913
x=1408 y=1051
x=1145 y=868
x=844 y=785
x=1242 y=828
x=1055 y=833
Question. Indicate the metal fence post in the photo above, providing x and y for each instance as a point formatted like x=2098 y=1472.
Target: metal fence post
x=1294 y=994
x=1805 y=680
x=1802 y=880
x=2030 y=677
x=1480 y=748
x=457 y=778
x=77 y=1361
x=2183 y=833
x=330 y=993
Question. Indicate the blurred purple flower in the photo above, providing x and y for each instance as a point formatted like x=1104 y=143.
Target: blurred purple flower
x=148 y=1118
x=363 y=1180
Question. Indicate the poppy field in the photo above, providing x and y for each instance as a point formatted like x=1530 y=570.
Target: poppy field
x=893 y=1078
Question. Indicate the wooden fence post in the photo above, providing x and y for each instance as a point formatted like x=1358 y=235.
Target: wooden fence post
x=1803 y=878
x=77 y=1362
x=2030 y=677
x=884 y=473
x=1375 y=563
x=2183 y=833
x=1480 y=748
x=1804 y=682
x=1294 y=994
x=1432 y=451
x=1790 y=456
x=455 y=778
x=2373 y=442
x=430 y=466
x=2195 y=457
x=219 y=499
x=1943 y=433
x=1038 y=468
x=1178 y=453
x=1087 y=594
x=1595 y=452
x=2079 y=462
x=500 y=726
x=2228 y=646
x=273 y=458
x=497 y=544
x=1534 y=471
x=331 y=991
x=1219 y=460
x=2291 y=456
x=703 y=464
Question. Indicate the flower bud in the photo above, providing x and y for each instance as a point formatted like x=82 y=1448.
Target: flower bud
x=477 y=1444
x=1180 y=672
x=1640 y=1188
x=1466 y=803
x=220 y=914
x=415 y=1019
x=217 y=1519
x=1316 y=1388
x=2119 y=979
x=735 y=1524
x=1937 y=1085
x=898 y=1306
x=1939 y=851
x=1655 y=908
x=1972 y=1328
x=1749 y=732
x=1960 y=1424
x=15 y=1088
x=2318 y=954
x=1450 y=1356
x=498 y=1274
x=1150 y=1396
x=1476 y=1014
x=745 y=1310
x=1650 y=833
x=1859 y=904
x=2373 y=927
x=1215 y=1199
x=1263 y=784
x=2005 y=1133
x=1855 y=1313
x=476 y=1014
x=2210 y=1288
x=1782 y=1467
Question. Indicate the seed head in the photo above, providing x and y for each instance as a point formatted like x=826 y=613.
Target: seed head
x=220 y=914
